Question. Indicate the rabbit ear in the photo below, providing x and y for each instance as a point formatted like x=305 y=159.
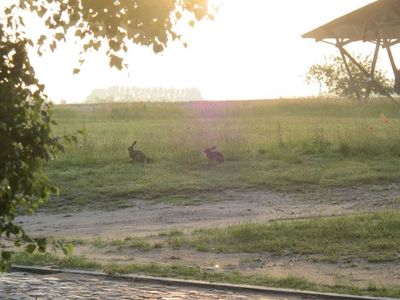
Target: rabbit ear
x=213 y=148
x=134 y=143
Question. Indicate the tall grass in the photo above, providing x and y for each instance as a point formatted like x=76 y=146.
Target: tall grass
x=265 y=143
x=179 y=132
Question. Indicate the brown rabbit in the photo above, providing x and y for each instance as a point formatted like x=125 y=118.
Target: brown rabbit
x=214 y=155
x=138 y=156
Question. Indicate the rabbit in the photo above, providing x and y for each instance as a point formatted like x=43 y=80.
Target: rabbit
x=214 y=155
x=138 y=156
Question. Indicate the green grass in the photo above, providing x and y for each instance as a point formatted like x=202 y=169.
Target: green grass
x=47 y=259
x=373 y=237
x=267 y=144
x=194 y=272
x=126 y=243
x=171 y=233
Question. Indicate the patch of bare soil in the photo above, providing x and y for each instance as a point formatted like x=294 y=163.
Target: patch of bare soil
x=146 y=218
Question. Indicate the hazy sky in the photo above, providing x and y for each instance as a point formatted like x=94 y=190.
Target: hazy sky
x=253 y=49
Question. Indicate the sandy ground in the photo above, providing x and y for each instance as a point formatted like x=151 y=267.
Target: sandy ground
x=146 y=218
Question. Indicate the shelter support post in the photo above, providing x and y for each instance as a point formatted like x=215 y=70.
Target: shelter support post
x=365 y=72
x=352 y=81
x=373 y=66
x=394 y=67
x=392 y=62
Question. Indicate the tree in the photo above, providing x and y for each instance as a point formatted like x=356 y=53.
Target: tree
x=334 y=77
x=26 y=142
x=26 y=137
x=114 y=24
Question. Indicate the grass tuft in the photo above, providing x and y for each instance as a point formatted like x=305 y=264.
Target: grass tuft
x=126 y=243
x=373 y=237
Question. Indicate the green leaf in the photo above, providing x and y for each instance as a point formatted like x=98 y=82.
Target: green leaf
x=41 y=40
x=68 y=249
x=41 y=12
x=116 y=61
x=6 y=255
x=157 y=48
x=42 y=244
x=30 y=248
x=27 y=238
x=59 y=36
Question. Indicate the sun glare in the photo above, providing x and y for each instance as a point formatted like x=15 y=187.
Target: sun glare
x=253 y=49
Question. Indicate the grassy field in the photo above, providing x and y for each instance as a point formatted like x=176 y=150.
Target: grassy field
x=283 y=144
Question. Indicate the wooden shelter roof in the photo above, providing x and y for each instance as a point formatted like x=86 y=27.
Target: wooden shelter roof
x=378 y=20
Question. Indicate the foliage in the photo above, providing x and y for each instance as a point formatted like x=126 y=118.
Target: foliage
x=334 y=77
x=113 y=25
x=26 y=139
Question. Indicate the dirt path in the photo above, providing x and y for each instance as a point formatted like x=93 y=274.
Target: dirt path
x=145 y=218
